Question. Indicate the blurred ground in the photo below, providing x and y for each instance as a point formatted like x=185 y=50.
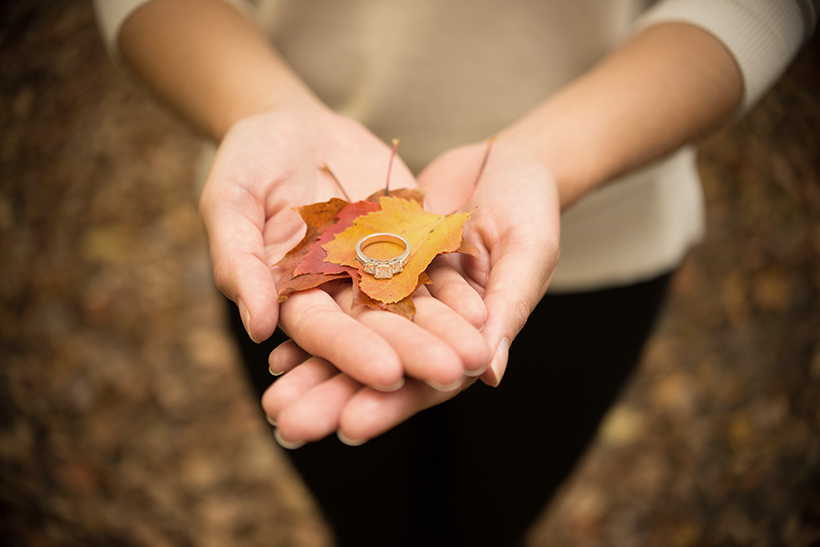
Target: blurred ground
x=124 y=419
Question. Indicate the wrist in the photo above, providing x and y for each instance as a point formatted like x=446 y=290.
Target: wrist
x=212 y=81
x=278 y=98
x=666 y=86
x=573 y=171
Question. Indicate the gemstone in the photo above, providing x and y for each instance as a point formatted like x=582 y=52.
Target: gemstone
x=383 y=271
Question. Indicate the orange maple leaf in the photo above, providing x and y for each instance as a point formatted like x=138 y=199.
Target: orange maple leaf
x=313 y=261
x=428 y=234
x=305 y=266
x=328 y=250
x=319 y=218
x=403 y=307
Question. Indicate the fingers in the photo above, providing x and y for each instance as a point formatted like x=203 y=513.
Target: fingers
x=518 y=279
x=521 y=232
x=314 y=400
x=452 y=329
x=438 y=346
x=234 y=224
x=450 y=288
x=370 y=413
x=319 y=326
x=306 y=404
x=285 y=357
x=315 y=414
x=424 y=355
x=299 y=381
x=310 y=402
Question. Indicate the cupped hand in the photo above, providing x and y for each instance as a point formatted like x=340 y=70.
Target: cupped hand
x=269 y=164
x=315 y=399
x=515 y=225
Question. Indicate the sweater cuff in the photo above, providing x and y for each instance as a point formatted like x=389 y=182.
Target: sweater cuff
x=762 y=35
x=111 y=14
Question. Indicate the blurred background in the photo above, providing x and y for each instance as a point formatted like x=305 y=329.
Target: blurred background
x=124 y=416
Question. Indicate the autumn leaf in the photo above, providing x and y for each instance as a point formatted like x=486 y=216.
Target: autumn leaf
x=313 y=261
x=403 y=307
x=410 y=194
x=319 y=217
x=307 y=266
x=327 y=252
x=304 y=282
x=428 y=235
x=468 y=248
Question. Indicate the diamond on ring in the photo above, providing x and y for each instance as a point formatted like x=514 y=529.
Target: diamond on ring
x=383 y=268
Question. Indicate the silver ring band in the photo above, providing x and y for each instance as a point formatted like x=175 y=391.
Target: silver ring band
x=382 y=268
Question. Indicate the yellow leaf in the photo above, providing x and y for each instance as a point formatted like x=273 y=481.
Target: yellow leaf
x=428 y=234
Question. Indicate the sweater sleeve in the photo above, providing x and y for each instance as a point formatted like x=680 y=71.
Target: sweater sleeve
x=763 y=36
x=112 y=14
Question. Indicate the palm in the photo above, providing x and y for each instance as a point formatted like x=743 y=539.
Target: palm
x=515 y=226
x=275 y=160
x=271 y=163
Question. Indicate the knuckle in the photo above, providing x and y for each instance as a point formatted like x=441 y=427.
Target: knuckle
x=222 y=279
x=521 y=310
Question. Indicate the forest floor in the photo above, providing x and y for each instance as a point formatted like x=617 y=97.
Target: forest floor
x=124 y=416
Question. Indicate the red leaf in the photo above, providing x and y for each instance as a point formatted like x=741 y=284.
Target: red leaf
x=410 y=194
x=318 y=217
x=305 y=282
x=313 y=261
x=404 y=307
x=427 y=234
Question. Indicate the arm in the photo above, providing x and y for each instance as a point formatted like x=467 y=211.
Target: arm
x=214 y=67
x=670 y=84
x=693 y=65
x=209 y=63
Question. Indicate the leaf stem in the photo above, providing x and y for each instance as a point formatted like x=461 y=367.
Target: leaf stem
x=390 y=167
x=327 y=170
x=490 y=143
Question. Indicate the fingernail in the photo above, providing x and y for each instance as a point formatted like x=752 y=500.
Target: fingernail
x=441 y=387
x=348 y=441
x=270 y=420
x=474 y=373
x=395 y=387
x=274 y=373
x=287 y=444
x=499 y=364
x=246 y=318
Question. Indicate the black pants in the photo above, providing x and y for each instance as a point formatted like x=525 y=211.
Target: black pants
x=478 y=469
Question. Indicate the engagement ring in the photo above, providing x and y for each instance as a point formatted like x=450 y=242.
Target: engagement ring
x=382 y=268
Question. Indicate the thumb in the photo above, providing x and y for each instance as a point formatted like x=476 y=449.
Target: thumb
x=234 y=225
x=518 y=279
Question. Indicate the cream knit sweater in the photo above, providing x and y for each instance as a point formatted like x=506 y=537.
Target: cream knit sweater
x=441 y=73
